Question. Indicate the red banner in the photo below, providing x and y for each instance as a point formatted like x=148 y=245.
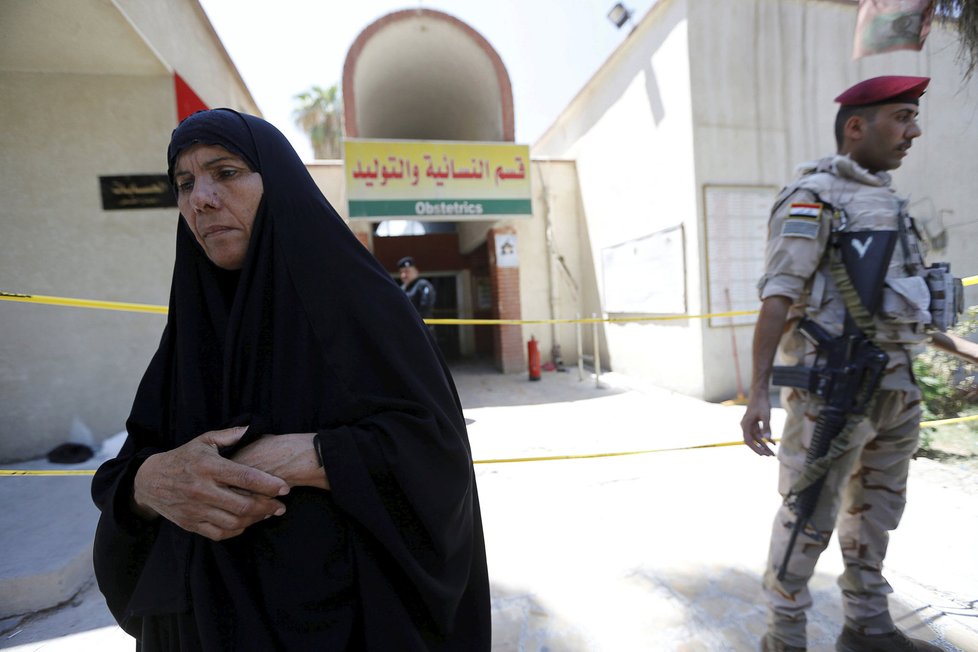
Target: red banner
x=187 y=101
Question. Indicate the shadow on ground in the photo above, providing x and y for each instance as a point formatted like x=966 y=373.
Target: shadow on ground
x=83 y=612
x=711 y=610
x=723 y=608
x=521 y=622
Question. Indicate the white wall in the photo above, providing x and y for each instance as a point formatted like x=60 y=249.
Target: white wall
x=549 y=289
x=178 y=30
x=630 y=132
x=61 y=131
x=330 y=177
x=65 y=363
x=738 y=93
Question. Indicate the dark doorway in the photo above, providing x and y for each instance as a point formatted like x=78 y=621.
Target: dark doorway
x=446 y=307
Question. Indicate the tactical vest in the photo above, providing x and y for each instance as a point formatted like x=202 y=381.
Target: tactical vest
x=869 y=221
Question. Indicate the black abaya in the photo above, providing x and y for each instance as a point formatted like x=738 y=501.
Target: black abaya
x=311 y=336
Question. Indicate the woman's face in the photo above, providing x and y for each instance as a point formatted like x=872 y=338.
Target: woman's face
x=218 y=194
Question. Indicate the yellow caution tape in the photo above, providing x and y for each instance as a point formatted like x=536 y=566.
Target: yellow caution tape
x=490 y=461
x=162 y=310
x=144 y=307
x=511 y=460
x=586 y=320
x=947 y=422
x=82 y=303
x=590 y=456
x=148 y=308
x=13 y=472
x=923 y=424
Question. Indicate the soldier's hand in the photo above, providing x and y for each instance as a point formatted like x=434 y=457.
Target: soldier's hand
x=202 y=492
x=756 y=424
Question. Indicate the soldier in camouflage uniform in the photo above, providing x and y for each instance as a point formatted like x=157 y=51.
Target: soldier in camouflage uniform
x=864 y=491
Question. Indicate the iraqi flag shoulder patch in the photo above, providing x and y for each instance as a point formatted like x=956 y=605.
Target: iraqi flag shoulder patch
x=805 y=210
x=802 y=221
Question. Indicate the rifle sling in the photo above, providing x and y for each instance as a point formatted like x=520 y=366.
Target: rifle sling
x=857 y=317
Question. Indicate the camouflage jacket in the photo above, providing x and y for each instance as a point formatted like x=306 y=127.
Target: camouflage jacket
x=797 y=266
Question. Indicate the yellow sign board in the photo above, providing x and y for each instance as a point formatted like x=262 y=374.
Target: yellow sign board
x=437 y=180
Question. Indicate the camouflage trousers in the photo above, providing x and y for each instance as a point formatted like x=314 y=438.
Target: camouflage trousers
x=863 y=499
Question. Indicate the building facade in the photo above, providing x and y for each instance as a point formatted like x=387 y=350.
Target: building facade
x=647 y=197
x=89 y=93
x=683 y=138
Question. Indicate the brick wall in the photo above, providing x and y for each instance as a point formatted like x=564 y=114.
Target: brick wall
x=364 y=238
x=434 y=252
x=508 y=349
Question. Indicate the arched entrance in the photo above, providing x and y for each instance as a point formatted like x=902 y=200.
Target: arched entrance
x=423 y=75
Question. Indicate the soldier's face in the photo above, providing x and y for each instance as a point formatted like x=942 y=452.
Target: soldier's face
x=888 y=136
x=408 y=274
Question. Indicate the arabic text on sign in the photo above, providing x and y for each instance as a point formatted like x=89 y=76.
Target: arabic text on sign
x=395 y=167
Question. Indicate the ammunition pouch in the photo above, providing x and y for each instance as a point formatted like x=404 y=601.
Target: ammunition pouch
x=906 y=300
x=946 y=296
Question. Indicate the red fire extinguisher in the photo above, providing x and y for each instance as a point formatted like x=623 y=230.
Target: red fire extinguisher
x=533 y=355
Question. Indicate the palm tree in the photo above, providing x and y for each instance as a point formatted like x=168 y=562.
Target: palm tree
x=964 y=13
x=320 y=115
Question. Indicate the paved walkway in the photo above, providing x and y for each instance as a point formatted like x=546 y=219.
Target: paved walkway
x=660 y=551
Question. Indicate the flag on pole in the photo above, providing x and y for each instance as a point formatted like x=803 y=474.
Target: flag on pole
x=888 y=25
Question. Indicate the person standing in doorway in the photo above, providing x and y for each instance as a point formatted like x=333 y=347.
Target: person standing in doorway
x=420 y=291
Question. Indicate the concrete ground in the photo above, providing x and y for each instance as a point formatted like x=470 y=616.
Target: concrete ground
x=658 y=551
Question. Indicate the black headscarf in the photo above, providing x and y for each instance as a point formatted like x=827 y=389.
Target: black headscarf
x=311 y=335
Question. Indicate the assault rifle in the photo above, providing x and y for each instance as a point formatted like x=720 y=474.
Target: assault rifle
x=846 y=381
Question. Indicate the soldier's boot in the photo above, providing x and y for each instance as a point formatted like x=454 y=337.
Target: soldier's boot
x=771 y=644
x=896 y=641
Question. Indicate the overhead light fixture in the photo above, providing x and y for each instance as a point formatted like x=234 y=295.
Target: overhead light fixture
x=619 y=15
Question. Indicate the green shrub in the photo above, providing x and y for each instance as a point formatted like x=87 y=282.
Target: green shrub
x=949 y=384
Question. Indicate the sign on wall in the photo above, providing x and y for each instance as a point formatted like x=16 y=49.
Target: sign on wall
x=506 y=253
x=136 y=191
x=437 y=180
x=646 y=275
x=736 y=235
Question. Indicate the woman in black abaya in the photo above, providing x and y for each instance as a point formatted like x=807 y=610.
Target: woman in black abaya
x=297 y=474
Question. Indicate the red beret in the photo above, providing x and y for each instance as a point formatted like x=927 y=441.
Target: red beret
x=884 y=90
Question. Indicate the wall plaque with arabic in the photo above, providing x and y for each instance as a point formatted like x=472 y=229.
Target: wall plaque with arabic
x=136 y=191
